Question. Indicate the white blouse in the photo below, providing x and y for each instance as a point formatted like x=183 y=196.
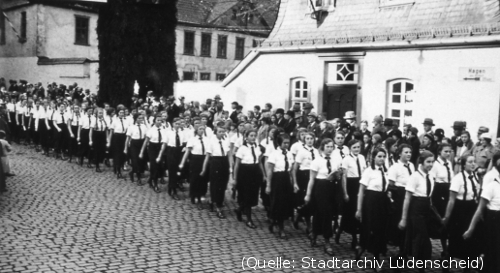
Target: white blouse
x=373 y=179
x=215 y=144
x=11 y=107
x=236 y=140
x=269 y=147
x=278 y=160
x=492 y=194
x=296 y=147
x=417 y=184
x=342 y=151
x=99 y=124
x=471 y=183
x=154 y=133
x=195 y=143
x=137 y=131
x=350 y=164
x=490 y=177
x=305 y=156
x=245 y=154
x=400 y=174
x=440 y=172
x=61 y=118
x=120 y=125
x=76 y=119
x=320 y=165
x=86 y=121
x=171 y=137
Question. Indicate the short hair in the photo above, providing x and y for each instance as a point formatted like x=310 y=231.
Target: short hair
x=257 y=107
x=442 y=146
x=176 y=120
x=403 y=146
x=324 y=142
x=268 y=105
x=463 y=160
x=239 y=107
x=424 y=155
x=235 y=103
x=364 y=121
x=352 y=142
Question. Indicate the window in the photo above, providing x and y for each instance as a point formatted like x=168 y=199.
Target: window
x=220 y=77
x=206 y=44
x=205 y=76
x=188 y=43
x=222 y=46
x=400 y=101
x=187 y=76
x=299 y=92
x=343 y=73
x=81 y=30
x=2 y=29
x=23 y=27
x=240 y=49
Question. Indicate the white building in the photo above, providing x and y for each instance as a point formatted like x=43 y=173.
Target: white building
x=405 y=59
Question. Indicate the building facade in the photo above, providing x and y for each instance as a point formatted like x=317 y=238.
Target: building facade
x=405 y=59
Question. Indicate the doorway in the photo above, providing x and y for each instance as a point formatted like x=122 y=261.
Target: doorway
x=339 y=99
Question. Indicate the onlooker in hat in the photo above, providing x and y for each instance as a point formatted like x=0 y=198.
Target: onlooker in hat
x=458 y=128
x=439 y=135
x=335 y=124
x=296 y=110
x=348 y=130
x=217 y=99
x=307 y=108
x=280 y=121
x=428 y=143
x=378 y=127
x=290 y=124
x=267 y=107
x=428 y=123
x=397 y=135
x=13 y=86
x=388 y=124
x=2 y=83
x=414 y=142
x=234 y=115
x=327 y=131
x=313 y=125
x=464 y=146
x=483 y=154
x=350 y=117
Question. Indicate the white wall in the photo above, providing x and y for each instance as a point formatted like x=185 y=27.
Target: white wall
x=26 y=68
x=267 y=79
x=439 y=92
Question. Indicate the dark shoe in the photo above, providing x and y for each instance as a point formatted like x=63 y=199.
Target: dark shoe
x=106 y=162
x=271 y=228
x=312 y=241
x=119 y=175
x=89 y=165
x=10 y=174
x=162 y=181
x=139 y=182
x=359 y=251
x=175 y=197
x=98 y=170
x=296 y=224
x=221 y=215
x=63 y=158
x=251 y=225
x=283 y=236
x=238 y=215
x=131 y=175
x=157 y=189
x=337 y=237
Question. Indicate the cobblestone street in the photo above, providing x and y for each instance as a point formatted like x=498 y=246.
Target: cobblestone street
x=60 y=217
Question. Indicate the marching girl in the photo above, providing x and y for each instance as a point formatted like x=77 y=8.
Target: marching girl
x=219 y=158
x=74 y=126
x=11 y=116
x=442 y=171
x=279 y=184
x=41 y=126
x=237 y=139
x=117 y=138
x=156 y=143
x=321 y=192
x=462 y=204
x=297 y=146
x=340 y=148
x=35 y=117
x=28 y=121
x=342 y=151
x=61 y=130
x=417 y=210
x=353 y=166
x=83 y=139
x=373 y=206
x=135 y=139
x=175 y=145
x=248 y=176
x=97 y=138
x=196 y=149
x=489 y=208
x=301 y=170
x=20 y=109
x=267 y=147
x=49 y=122
x=399 y=176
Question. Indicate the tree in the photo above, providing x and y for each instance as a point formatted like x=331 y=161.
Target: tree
x=136 y=42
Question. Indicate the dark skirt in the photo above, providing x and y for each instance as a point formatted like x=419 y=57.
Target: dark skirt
x=302 y=182
x=281 y=196
x=84 y=148
x=73 y=145
x=374 y=222
x=219 y=176
x=460 y=219
x=99 y=145
x=43 y=134
x=492 y=251
x=118 y=146
x=418 y=241
x=135 y=150
x=396 y=235
x=349 y=222
x=12 y=125
x=174 y=157
x=440 y=196
x=323 y=206
x=249 y=180
x=154 y=166
x=198 y=184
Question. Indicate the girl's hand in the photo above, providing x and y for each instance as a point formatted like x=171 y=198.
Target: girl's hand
x=295 y=188
x=358 y=215
x=346 y=198
x=402 y=224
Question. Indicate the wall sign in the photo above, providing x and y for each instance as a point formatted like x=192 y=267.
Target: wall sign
x=478 y=74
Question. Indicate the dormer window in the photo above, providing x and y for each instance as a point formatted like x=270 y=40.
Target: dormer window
x=321 y=5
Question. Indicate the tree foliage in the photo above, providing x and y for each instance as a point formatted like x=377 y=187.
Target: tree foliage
x=136 y=42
